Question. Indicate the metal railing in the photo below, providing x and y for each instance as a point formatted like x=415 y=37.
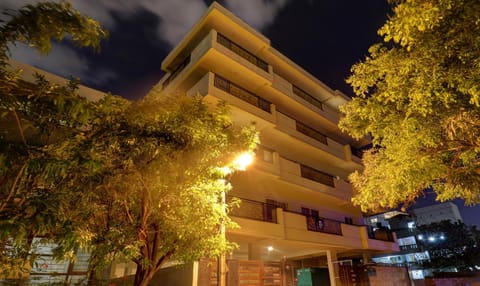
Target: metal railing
x=241 y=93
x=321 y=224
x=316 y=175
x=326 y=225
x=176 y=71
x=224 y=41
x=254 y=210
x=310 y=132
x=408 y=247
x=307 y=97
x=380 y=234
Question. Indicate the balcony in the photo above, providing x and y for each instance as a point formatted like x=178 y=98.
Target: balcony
x=251 y=209
x=242 y=101
x=176 y=71
x=381 y=234
x=325 y=225
x=241 y=93
x=310 y=132
x=224 y=41
x=307 y=97
x=302 y=99
x=267 y=220
x=316 y=175
x=314 y=179
x=312 y=137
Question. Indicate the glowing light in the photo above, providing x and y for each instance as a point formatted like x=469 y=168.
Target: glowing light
x=270 y=248
x=243 y=161
x=420 y=237
x=442 y=237
x=225 y=170
x=431 y=238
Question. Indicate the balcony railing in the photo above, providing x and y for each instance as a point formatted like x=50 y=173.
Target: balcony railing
x=381 y=234
x=310 y=132
x=307 y=97
x=224 y=41
x=241 y=93
x=254 y=210
x=316 y=175
x=176 y=71
x=321 y=224
x=408 y=247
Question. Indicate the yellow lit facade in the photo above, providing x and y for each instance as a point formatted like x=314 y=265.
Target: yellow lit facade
x=296 y=207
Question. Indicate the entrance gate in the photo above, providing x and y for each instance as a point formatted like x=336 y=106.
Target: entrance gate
x=244 y=273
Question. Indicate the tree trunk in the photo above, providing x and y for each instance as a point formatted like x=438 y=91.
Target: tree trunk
x=143 y=276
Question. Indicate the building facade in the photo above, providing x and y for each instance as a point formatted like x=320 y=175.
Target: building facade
x=436 y=213
x=295 y=214
x=297 y=223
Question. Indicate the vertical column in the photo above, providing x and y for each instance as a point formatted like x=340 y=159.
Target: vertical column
x=333 y=270
x=366 y=257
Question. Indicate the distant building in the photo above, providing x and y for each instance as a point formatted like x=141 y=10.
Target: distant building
x=436 y=213
x=405 y=227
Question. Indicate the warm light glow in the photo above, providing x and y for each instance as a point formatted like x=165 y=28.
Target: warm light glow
x=243 y=161
x=270 y=248
x=225 y=170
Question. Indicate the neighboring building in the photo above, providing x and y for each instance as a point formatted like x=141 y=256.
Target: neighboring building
x=436 y=213
x=296 y=212
x=404 y=225
x=381 y=220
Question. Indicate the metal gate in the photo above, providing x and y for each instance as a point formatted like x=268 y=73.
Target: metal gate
x=243 y=273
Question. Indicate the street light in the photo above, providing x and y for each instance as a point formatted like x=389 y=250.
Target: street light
x=240 y=163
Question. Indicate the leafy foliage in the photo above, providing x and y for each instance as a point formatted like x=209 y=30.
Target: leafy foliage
x=452 y=245
x=141 y=181
x=418 y=97
x=33 y=116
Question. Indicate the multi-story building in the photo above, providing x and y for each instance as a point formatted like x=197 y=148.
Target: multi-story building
x=436 y=213
x=296 y=218
x=296 y=211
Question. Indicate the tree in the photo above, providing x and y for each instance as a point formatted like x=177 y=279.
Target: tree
x=418 y=96
x=450 y=245
x=141 y=180
x=162 y=183
x=33 y=116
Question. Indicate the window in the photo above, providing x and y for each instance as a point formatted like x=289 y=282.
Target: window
x=264 y=153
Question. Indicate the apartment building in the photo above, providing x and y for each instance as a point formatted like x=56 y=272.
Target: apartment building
x=436 y=213
x=295 y=213
x=297 y=223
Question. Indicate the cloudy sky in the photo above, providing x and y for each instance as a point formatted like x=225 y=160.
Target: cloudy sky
x=326 y=37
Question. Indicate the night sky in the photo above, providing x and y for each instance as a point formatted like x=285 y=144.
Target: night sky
x=325 y=37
